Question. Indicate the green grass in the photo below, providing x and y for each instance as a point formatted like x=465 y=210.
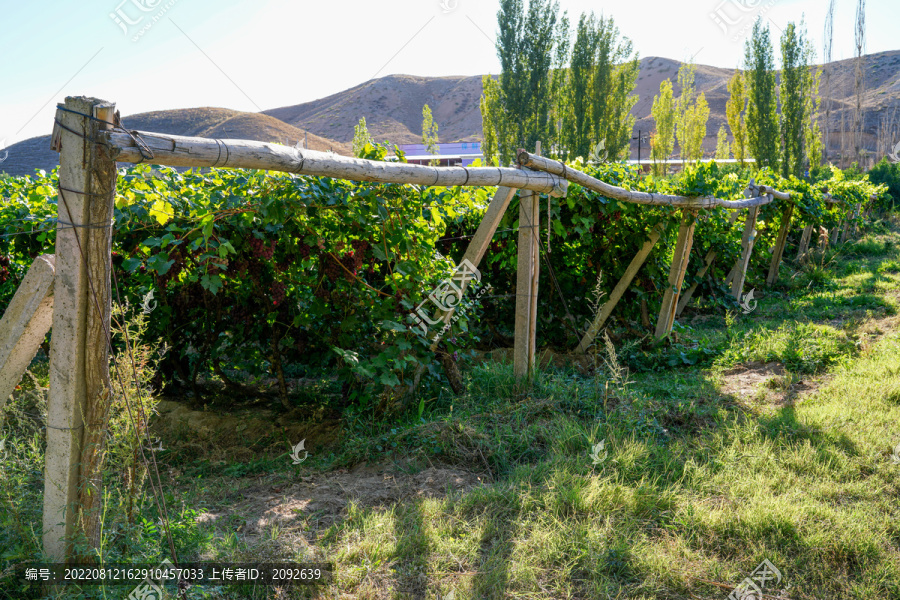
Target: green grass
x=698 y=485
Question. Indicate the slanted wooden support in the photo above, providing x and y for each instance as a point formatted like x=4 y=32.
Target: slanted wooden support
x=526 y=285
x=748 y=240
x=25 y=323
x=474 y=253
x=804 y=243
x=707 y=263
x=850 y=225
x=77 y=409
x=676 y=274
x=688 y=294
x=618 y=291
x=778 y=250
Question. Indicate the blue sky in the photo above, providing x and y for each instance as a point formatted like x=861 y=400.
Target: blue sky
x=255 y=55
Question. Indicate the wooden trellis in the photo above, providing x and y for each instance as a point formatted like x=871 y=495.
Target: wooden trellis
x=90 y=140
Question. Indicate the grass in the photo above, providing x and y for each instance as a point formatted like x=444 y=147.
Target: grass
x=696 y=485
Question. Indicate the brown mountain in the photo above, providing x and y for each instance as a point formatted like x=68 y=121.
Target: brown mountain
x=34 y=153
x=392 y=107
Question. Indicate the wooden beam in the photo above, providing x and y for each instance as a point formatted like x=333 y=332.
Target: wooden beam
x=688 y=294
x=778 y=250
x=680 y=261
x=183 y=151
x=559 y=168
x=79 y=362
x=804 y=243
x=748 y=240
x=25 y=323
x=616 y=295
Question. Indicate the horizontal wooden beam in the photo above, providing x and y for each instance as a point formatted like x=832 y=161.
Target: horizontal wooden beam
x=182 y=151
x=556 y=167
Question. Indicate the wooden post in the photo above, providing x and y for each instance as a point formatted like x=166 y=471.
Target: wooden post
x=848 y=228
x=617 y=292
x=778 y=250
x=676 y=275
x=526 y=284
x=804 y=243
x=79 y=363
x=25 y=323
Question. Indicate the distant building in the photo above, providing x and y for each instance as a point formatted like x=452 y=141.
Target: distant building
x=456 y=154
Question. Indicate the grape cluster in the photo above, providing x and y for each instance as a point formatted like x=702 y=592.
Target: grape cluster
x=303 y=249
x=322 y=293
x=4 y=268
x=277 y=292
x=261 y=249
x=332 y=268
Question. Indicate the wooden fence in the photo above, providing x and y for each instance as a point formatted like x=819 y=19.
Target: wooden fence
x=89 y=137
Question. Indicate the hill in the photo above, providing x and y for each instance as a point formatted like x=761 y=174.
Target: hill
x=392 y=106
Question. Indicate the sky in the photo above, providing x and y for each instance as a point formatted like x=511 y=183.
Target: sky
x=254 y=55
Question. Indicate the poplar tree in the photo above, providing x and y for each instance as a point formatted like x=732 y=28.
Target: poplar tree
x=683 y=107
x=762 y=104
x=723 y=150
x=734 y=113
x=663 y=140
x=430 y=135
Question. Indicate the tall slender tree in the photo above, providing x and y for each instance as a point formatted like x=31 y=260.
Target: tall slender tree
x=430 y=134
x=663 y=140
x=683 y=105
x=527 y=46
x=793 y=103
x=829 y=37
x=762 y=104
x=734 y=113
x=860 y=77
x=493 y=120
x=723 y=150
x=602 y=77
x=697 y=117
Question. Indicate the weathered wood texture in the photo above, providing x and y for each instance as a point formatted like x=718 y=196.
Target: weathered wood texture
x=526 y=285
x=25 y=323
x=780 y=243
x=79 y=362
x=689 y=293
x=680 y=261
x=803 y=248
x=182 y=151
x=748 y=240
x=707 y=263
x=556 y=167
x=633 y=267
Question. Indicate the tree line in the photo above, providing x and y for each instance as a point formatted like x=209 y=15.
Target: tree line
x=574 y=91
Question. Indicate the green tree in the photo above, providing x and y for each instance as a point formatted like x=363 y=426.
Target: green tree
x=663 y=140
x=814 y=140
x=430 y=135
x=734 y=113
x=492 y=120
x=602 y=77
x=723 y=150
x=793 y=104
x=683 y=107
x=361 y=138
x=697 y=118
x=762 y=104
x=528 y=48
